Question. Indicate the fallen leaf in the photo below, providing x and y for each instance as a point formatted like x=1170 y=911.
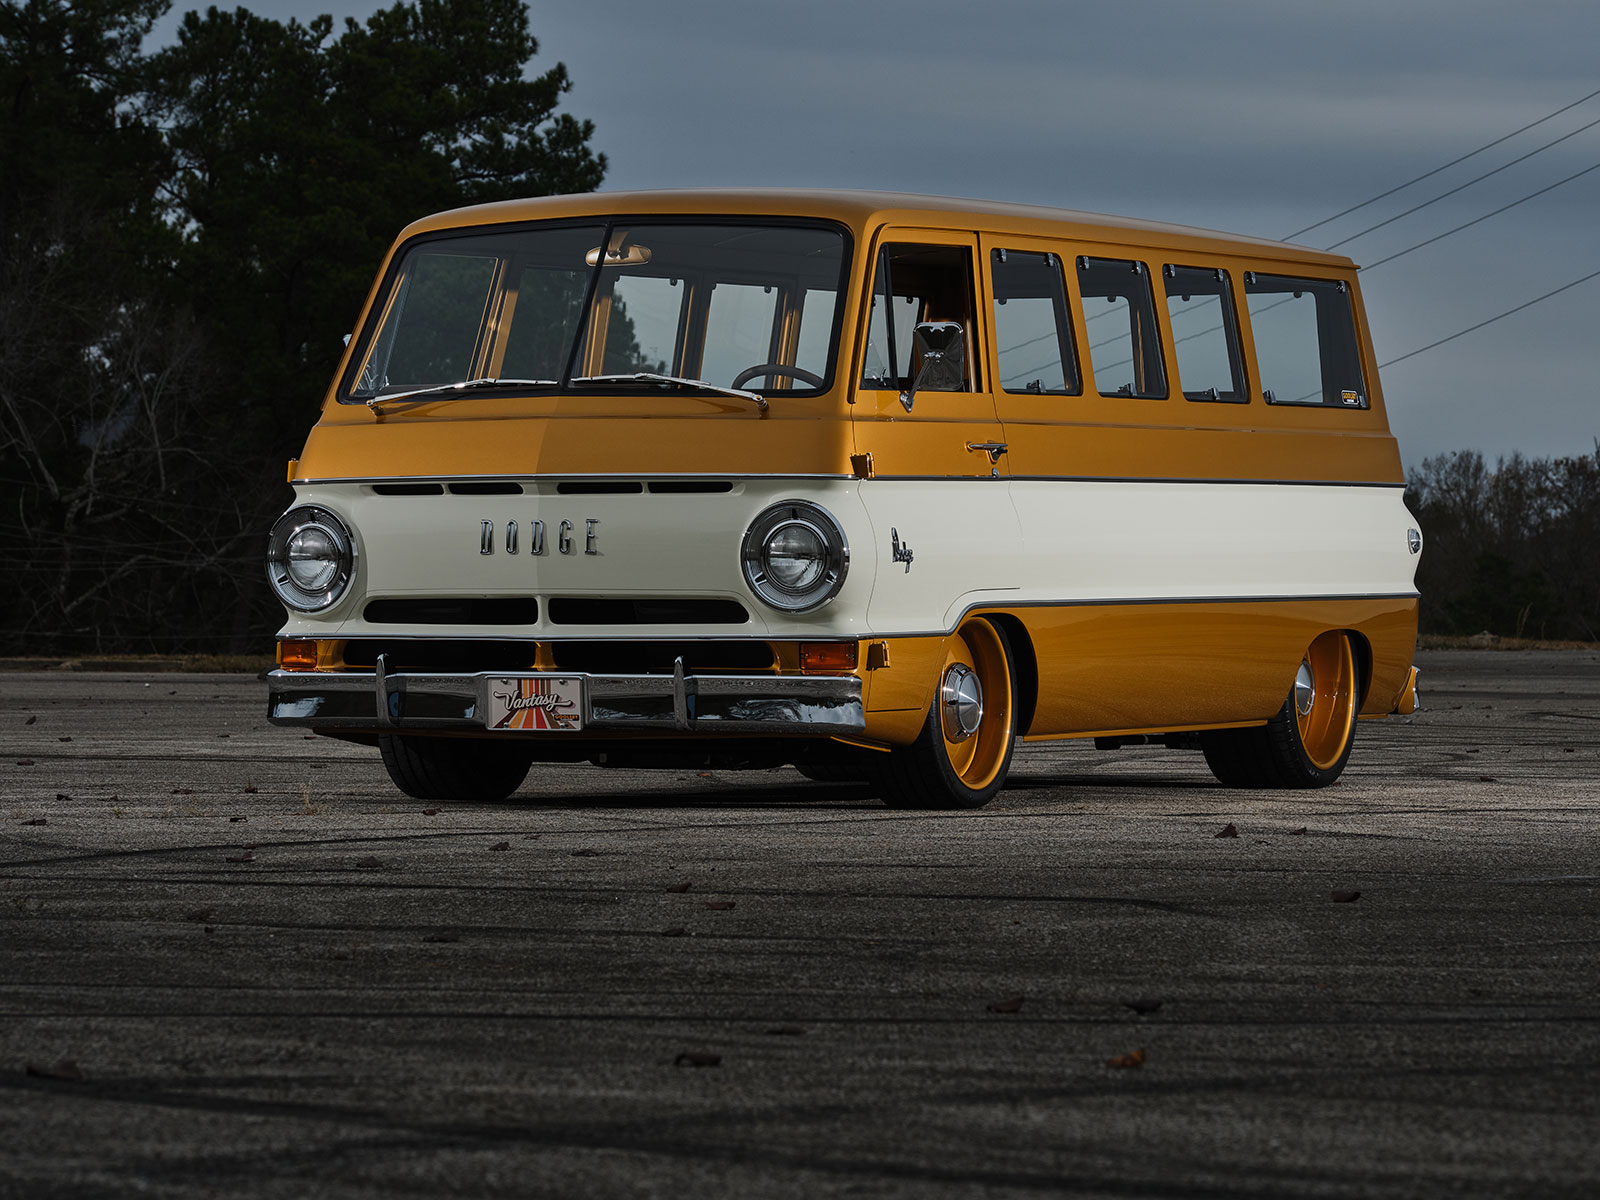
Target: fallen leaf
x=676 y=931
x=1564 y=749
x=697 y=1058
x=442 y=937
x=62 y=796
x=501 y=846
x=1227 y=831
x=1485 y=778
x=680 y=887
x=30 y=720
x=1134 y=1058
x=24 y=762
x=182 y=791
x=63 y=739
x=1301 y=832
x=199 y=914
x=62 y=1069
x=786 y=1031
x=242 y=858
x=1344 y=897
x=720 y=905
x=223 y=735
x=371 y=860
x=703 y=774
x=1143 y=1007
x=1007 y=1006
x=37 y=821
x=586 y=854
x=430 y=812
x=249 y=789
x=236 y=820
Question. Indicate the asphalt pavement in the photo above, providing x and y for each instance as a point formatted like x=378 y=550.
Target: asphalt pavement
x=234 y=961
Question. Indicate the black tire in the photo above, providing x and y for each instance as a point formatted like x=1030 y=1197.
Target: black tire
x=1296 y=749
x=454 y=768
x=935 y=772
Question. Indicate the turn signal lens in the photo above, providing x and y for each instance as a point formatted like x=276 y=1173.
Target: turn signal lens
x=817 y=658
x=297 y=656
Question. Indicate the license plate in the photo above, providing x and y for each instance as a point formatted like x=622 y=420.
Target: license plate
x=551 y=703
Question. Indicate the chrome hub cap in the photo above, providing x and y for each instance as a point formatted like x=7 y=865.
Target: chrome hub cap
x=960 y=703
x=1305 y=689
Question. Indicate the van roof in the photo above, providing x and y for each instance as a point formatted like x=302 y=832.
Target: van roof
x=864 y=211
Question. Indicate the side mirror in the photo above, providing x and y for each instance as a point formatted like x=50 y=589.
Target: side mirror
x=942 y=356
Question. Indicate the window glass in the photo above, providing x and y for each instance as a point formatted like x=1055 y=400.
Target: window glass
x=1033 y=334
x=433 y=329
x=1124 y=340
x=1305 y=336
x=739 y=331
x=549 y=303
x=915 y=284
x=1205 y=333
x=642 y=329
x=816 y=327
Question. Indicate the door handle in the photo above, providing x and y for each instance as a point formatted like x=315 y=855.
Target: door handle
x=993 y=449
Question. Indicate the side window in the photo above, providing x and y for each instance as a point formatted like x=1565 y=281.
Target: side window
x=1305 y=335
x=914 y=284
x=1205 y=333
x=1033 y=333
x=1120 y=316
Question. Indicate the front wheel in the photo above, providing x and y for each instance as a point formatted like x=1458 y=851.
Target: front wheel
x=961 y=757
x=454 y=768
x=1307 y=742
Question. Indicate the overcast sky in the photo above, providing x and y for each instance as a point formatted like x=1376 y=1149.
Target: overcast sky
x=1251 y=116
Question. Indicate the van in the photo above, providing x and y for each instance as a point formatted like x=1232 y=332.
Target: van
x=869 y=484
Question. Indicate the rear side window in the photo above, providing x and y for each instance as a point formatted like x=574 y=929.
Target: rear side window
x=1033 y=333
x=1205 y=333
x=1120 y=317
x=1305 y=335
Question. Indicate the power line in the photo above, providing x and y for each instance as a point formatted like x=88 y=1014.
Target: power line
x=1472 y=328
x=1476 y=220
x=1464 y=186
x=1446 y=167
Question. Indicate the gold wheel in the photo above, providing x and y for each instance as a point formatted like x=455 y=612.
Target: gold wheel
x=1324 y=700
x=975 y=705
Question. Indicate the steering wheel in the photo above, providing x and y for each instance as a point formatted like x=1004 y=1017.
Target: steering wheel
x=800 y=373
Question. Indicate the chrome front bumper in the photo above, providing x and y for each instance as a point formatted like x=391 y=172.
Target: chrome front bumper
x=381 y=701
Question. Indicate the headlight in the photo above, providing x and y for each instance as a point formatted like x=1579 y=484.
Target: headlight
x=309 y=558
x=795 y=556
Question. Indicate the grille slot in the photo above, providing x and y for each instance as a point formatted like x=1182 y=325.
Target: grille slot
x=454 y=610
x=439 y=654
x=656 y=658
x=599 y=487
x=670 y=487
x=408 y=489
x=668 y=610
x=486 y=489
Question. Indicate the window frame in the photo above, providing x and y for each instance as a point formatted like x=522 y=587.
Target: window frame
x=1240 y=393
x=1066 y=332
x=1155 y=345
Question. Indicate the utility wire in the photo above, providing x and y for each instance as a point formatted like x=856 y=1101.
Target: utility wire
x=1446 y=167
x=1472 y=328
x=1462 y=187
x=1476 y=220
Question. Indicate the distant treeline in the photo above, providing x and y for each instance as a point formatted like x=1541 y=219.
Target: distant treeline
x=1514 y=550
x=185 y=237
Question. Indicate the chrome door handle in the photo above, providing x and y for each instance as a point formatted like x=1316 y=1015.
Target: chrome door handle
x=993 y=449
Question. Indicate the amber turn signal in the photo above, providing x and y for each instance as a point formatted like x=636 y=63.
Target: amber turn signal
x=297 y=656
x=818 y=658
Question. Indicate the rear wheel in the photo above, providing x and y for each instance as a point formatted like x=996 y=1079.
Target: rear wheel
x=961 y=757
x=454 y=768
x=1307 y=743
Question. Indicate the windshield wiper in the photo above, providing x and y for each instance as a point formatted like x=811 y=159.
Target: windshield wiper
x=759 y=400
x=466 y=385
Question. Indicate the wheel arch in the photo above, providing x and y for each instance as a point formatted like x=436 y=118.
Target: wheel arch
x=1024 y=661
x=1362 y=649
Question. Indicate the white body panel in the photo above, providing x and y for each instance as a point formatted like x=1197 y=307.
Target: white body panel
x=974 y=543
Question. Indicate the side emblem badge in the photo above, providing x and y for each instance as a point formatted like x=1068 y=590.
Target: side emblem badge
x=900 y=553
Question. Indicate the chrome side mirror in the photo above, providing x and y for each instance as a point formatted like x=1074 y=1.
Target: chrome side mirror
x=942 y=353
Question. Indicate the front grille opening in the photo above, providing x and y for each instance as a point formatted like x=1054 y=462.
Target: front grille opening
x=656 y=658
x=452 y=655
x=408 y=489
x=680 y=487
x=454 y=610
x=669 y=610
x=486 y=489
x=599 y=487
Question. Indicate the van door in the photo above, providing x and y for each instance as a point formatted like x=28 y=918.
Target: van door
x=948 y=430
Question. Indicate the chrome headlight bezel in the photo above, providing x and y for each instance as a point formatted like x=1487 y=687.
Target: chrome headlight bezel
x=299 y=520
x=812 y=521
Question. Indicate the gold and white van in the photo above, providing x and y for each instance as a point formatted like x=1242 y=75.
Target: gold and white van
x=872 y=484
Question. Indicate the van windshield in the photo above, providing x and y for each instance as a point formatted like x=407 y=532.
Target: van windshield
x=730 y=305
